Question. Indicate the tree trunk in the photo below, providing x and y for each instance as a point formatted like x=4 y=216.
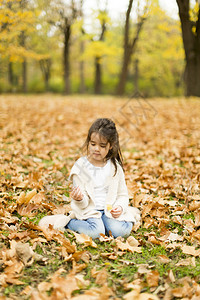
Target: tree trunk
x=82 y=73
x=98 y=72
x=24 y=75
x=67 y=35
x=24 y=63
x=98 y=80
x=136 y=76
x=82 y=48
x=45 y=65
x=192 y=76
x=23 y=4
x=124 y=72
x=10 y=74
x=191 y=43
x=129 y=47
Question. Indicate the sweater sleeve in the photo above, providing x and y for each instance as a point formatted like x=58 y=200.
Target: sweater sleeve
x=85 y=201
x=122 y=192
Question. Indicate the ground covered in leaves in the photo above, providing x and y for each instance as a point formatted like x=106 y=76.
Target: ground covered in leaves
x=40 y=139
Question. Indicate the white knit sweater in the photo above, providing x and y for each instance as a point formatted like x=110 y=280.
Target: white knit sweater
x=84 y=209
x=117 y=193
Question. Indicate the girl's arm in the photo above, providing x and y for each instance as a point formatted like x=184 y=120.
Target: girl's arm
x=78 y=194
x=122 y=199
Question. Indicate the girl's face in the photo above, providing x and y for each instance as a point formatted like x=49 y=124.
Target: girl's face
x=98 y=148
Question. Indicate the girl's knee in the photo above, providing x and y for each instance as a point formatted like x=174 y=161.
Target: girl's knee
x=122 y=229
x=122 y=233
x=90 y=227
x=94 y=234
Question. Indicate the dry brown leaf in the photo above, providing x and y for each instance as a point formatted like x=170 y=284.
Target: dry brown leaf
x=143 y=269
x=25 y=198
x=105 y=238
x=13 y=267
x=153 y=278
x=197 y=218
x=27 y=209
x=184 y=291
x=102 y=293
x=101 y=277
x=10 y=278
x=60 y=238
x=190 y=250
x=132 y=241
x=170 y=237
x=136 y=295
x=62 y=287
x=24 y=253
x=18 y=235
x=152 y=239
x=126 y=246
x=27 y=291
x=82 y=238
x=21 y=198
x=84 y=255
x=171 y=276
x=76 y=268
x=111 y=255
x=65 y=254
x=163 y=259
x=187 y=262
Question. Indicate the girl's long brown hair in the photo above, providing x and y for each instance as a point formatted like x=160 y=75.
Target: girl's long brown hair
x=107 y=129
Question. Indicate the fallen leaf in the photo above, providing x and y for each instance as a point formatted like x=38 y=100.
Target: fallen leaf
x=101 y=276
x=126 y=246
x=197 y=218
x=24 y=253
x=163 y=259
x=190 y=250
x=132 y=241
x=187 y=262
x=85 y=239
x=171 y=276
x=143 y=269
x=153 y=278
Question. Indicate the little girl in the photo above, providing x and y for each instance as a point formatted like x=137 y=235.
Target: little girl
x=99 y=196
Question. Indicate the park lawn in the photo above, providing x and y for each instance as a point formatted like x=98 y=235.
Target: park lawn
x=40 y=139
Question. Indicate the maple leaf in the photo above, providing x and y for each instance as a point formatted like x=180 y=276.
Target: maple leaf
x=82 y=238
x=190 y=250
x=153 y=278
x=127 y=246
x=25 y=198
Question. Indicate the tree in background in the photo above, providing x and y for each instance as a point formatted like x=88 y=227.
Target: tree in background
x=190 y=24
x=63 y=14
x=98 y=46
x=129 y=46
x=103 y=19
x=161 y=57
x=82 y=87
x=15 y=24
x=45 y=65
x=44 y=42
x=22 y=37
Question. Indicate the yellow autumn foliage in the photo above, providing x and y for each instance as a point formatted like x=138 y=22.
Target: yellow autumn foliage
x=99 y=48
x=14 y=21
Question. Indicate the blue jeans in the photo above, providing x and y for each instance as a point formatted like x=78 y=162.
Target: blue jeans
x=94 y=226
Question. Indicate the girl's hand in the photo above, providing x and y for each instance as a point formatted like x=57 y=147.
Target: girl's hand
x=76 y=193
x=116 y=211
